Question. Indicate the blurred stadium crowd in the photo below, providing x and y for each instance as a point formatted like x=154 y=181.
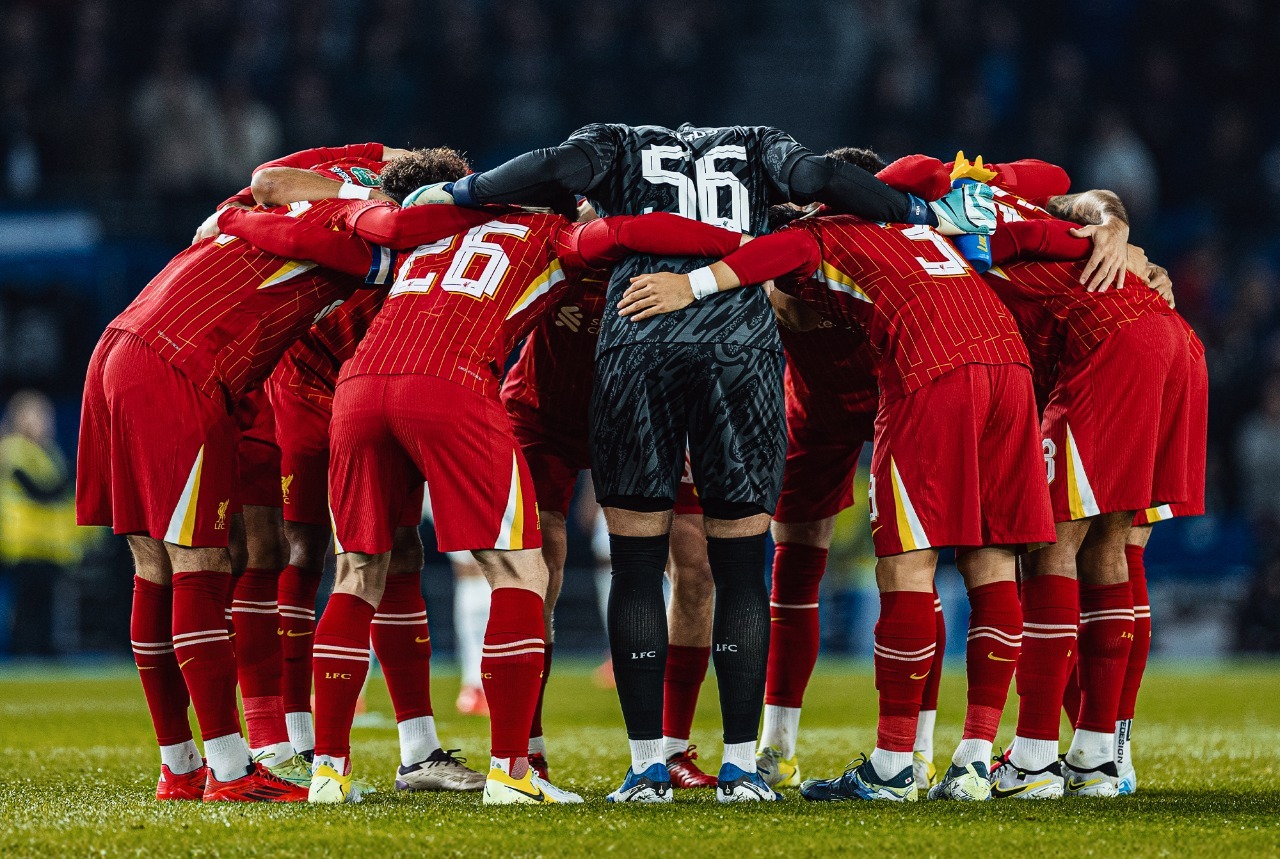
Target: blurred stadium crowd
x=145 y=113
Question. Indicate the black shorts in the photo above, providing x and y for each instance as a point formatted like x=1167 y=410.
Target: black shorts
x=725 y=401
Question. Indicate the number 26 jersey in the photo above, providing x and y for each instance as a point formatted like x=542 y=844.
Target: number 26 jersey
x=723 y=176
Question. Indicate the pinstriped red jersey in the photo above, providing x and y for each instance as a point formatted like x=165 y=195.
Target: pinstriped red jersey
x=553 y=376
x=458 y=306
x=831 y=374
x=923 y=308
x=223 y=311
x=310 y=367
x=1060 y=321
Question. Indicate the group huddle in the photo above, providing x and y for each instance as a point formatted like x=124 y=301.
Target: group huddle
x=713 y=321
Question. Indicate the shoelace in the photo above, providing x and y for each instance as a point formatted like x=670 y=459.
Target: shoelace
x=446 y=756
x=692 y=752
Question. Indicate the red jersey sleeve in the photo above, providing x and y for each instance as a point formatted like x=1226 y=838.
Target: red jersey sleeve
x=1033 y=180
x=1048 y=239
x=927 y=178
x=308 y=158
x=391 y=226
x=792 y=254
x=294 y=238
x=606 y=241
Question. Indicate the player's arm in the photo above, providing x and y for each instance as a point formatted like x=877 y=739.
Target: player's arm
x=545 y=177
x=279 y=186
x=309 y=158
x=803 y=177
x=1049 y=239
x=606 y=241
x=1031 y=179
x=295 y=238
x=391 y=226
x=791 y=254
x=1107 y=224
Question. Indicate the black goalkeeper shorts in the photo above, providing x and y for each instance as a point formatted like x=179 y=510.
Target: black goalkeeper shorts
x=725 y=401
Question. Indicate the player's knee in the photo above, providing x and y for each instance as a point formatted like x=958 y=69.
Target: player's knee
x=150 y=560
x=817 y=534
x=308 y=545
x=407 y=555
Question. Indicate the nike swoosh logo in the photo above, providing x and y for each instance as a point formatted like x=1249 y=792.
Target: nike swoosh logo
x=421 y=640
x=992 y=656
x=181 y=664
x=293 y=634
x=919 y=676
x=1003 y=793
x=1081 y=785
x=538 y=796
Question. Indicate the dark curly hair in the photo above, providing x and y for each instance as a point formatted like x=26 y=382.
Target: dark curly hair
x=864 y=158
x=422 y=167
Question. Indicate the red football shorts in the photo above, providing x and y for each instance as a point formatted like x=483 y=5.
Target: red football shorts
x=258 y=453
x=389 y=433
x=957 y=463
x=157 y=456
x=554 y=458
x=1197 y=447
x=1117 y=426
x=822 y=461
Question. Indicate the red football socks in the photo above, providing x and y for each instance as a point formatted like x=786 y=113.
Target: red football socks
x=535 y=728
x=686 y=669
x=259 y=661
x=991 y=654
x=297 y=600
x=203 y=650
x=1106 y=634
x=793 y=615
x=1051 y=613
x=341 y=663
x=929 y=699
x=514 y=652
x=403 y=643
x=151 y=634
x=904 y=650
x=1141 y=648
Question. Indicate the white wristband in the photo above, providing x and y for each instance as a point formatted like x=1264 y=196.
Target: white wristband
x=351 y=191
x=703 y=283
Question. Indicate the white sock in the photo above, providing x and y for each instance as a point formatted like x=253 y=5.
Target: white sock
x=272 y=755
x=674 y=746
x=538 y=746
x=341 y=763
x=181 y=758
x=741 y=755
x=781 y=727
x=1124 y=744
x=417 y=739
x=470 y=617
x=228 y=757
x=302 y=733
x=1032 y=755
x=644 y=754
x=924 y=732
x=971 y=752
x=889 y=764
x=1091 y=748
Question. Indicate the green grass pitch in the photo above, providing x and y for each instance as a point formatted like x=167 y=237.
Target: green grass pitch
x=78 y=768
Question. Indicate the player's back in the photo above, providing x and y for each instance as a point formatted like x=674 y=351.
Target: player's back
x=311 y=365
x=717 y=175
x=459 y=305
x=1059 y=318
x=556 y=367
x=832 y=370
x=924 y=309
x=223 y=310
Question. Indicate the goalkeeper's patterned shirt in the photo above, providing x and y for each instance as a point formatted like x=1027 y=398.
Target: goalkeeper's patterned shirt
x=722 y=176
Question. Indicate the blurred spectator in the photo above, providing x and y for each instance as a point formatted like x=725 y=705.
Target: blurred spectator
x=1119 y=160
x=1258 y=629
x=178 y=126
x=38 y=535
x=1259 y=452
x=250 y=133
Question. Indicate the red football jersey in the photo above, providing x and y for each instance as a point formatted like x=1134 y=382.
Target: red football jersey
x=358 y=164
x=459 y=305
x=1059 y=320
x=555 y=372
x=224 y=310
x=310 y=367
x=831 y=373
x=923 y=308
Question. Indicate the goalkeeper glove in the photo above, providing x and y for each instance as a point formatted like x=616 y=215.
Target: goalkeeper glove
x=970 y=208
x=428 y=194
